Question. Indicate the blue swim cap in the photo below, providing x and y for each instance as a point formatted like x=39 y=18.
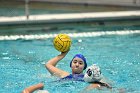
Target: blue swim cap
x=82 y=57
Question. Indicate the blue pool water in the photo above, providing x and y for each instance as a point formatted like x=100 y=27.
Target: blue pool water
x=22 y=63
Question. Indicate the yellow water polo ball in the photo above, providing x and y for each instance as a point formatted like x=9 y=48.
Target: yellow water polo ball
x=62 y=42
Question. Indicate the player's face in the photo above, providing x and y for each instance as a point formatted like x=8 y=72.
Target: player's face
x=77 y=65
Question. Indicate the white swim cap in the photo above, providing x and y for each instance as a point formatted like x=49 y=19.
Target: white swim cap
x=42 y=91
x=92 y=74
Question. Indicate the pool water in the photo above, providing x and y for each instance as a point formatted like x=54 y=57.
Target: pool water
x=22 y=63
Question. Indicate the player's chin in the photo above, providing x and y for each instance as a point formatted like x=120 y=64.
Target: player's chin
x=76 y=70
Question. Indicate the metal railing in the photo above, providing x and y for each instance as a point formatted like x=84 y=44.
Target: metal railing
x=104 y=2
x=27 y=9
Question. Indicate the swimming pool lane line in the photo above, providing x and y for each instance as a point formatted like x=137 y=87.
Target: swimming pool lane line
x=83 y=34
x=70 y=17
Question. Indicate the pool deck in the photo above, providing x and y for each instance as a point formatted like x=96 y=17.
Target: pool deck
x=70 y=17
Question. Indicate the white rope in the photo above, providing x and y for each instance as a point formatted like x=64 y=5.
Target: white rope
x=82 y=34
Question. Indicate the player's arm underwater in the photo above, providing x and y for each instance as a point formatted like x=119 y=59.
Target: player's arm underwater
x=98 y=85
x=94 y=76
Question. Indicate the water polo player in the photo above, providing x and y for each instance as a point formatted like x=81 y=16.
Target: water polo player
x=77 y=64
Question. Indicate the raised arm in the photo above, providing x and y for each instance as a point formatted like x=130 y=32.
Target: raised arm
x=51 y=66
